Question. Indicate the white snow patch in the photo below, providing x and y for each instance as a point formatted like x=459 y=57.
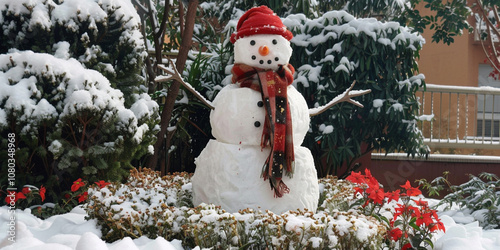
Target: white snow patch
x=377 y=104
x=3 y=118
x=62 y=50
x=55 y=147
x=426 y=117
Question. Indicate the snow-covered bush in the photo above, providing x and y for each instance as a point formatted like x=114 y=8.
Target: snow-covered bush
x=70 y=91
x=336 y=49
x=479 y=197
x=101 y=34
x=154 y=206
x=69 y=119
x=336 y=194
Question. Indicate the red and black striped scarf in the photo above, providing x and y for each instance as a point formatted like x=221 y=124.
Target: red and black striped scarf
x=278 y=122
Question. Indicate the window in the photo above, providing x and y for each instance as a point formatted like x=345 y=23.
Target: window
x=488 y=106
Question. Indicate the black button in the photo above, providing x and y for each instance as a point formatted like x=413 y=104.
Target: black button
x=260 y=104
x=257 y=124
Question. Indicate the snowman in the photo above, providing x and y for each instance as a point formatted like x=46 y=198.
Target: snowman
x=259 y=122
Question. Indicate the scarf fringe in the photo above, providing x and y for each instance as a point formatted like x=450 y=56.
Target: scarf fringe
x=279 y=187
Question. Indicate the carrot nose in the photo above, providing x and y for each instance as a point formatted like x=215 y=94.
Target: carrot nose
x=263 y=50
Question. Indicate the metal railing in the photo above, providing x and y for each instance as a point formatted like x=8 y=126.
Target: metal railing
x=460 y=117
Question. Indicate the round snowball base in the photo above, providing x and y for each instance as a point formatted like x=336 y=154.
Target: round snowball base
x=229 y=176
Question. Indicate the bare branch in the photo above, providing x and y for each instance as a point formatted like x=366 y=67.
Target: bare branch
x=163 y=23
x=175 y=75
x=488 y=55
x=488 y=22
x=495 y=12
x=140 y=8
x=344 y=97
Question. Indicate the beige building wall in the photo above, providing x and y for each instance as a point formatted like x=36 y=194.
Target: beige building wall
x=454 y=64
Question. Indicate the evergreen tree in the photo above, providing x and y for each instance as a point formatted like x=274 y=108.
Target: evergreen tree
x=70 y=91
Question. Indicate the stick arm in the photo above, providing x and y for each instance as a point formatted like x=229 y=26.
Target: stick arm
x=344 y=97
x=171 y=73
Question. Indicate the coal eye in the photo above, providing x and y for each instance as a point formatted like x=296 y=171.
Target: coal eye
x=275 y=42
x=252 y=42
x=276 y=59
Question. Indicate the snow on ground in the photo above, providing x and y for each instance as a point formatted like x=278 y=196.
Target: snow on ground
x=463 y=232
x=72 y=231
x=68 y=231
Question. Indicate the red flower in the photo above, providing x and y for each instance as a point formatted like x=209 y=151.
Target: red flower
x=376 y=194
x=421 y=203
x=357 y=178
x=83 y=197
x=434 y=214
x=399 y=210
x=102 y=184
x=407 y=246
x=395 y=234
x=370 y=180
x=424 y=219
x=42 y=192
x=438 y=226
x=403 y=209
x=26 y=190
x=17 y=196
x=411 y=191
x=392 y=196
x=368 y=173
x=415 y=211
x=9 y=195
x=77 y=185
x=20 y=196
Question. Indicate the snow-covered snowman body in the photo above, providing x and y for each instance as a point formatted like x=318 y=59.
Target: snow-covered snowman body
x=228 y=171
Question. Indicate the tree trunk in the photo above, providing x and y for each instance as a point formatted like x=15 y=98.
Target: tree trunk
x=173 y=90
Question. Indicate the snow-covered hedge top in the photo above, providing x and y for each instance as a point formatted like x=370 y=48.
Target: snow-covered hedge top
x=152 y=205
x=24 y=77
x=102 y=34
x=87 y=117
x=45 y=13
x=336 y=23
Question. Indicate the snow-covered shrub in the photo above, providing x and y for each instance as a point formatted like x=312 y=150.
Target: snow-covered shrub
x=70 y=91
x=479 y=197
x=334 y=50
x=155 y=206
x=69 y=120
x=336 y=194
x=101 y=34
x=145 y=205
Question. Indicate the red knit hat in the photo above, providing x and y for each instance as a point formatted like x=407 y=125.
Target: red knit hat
x=260 y=20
